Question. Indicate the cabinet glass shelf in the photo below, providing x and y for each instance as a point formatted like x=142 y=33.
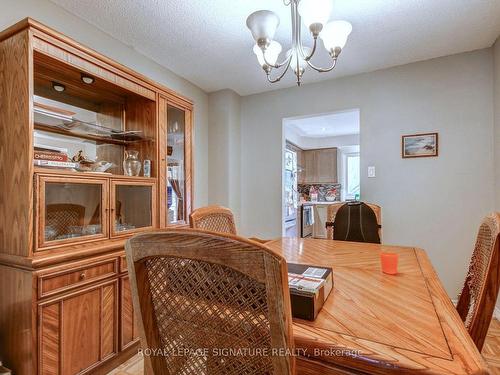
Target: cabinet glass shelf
x=67 y=125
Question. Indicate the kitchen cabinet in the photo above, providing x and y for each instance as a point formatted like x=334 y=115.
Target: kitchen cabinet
x=309 y=166
x=326 y=165
x=320 y=166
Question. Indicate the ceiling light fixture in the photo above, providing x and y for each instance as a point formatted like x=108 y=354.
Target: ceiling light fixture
x=315 y=14
x=58 y=87
x=87 y=79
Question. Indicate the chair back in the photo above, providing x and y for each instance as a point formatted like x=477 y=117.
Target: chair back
x=61 y=216
x=476 y=303
x=201 y=296
x=333 y=209
x=213 y=218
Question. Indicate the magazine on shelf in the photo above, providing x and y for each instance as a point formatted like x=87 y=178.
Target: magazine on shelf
x=50 y=155
x=54 y=164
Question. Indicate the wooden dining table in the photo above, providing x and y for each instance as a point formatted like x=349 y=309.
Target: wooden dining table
x=374 y=323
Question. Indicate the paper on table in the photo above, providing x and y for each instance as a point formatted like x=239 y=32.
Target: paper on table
x=314 y=272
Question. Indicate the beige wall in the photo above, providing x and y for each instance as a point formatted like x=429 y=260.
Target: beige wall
x=56 y=17
x=433 y=203
x=225 y=149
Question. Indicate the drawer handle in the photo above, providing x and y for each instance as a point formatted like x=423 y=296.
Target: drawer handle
x=83 y=276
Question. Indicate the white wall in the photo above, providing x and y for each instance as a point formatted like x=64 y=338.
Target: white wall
x=433 y=203
x=56 y=17
x=224 y=151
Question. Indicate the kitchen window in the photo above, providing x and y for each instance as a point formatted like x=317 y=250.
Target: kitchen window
x=352 y=178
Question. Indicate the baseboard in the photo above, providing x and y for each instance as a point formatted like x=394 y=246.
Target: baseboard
x=496 y=312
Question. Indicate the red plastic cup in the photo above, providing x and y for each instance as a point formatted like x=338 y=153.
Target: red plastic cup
x=389 y=263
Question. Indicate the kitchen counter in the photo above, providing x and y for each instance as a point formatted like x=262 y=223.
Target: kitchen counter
x=310 y=203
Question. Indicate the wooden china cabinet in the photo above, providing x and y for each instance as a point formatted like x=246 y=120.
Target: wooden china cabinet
x=65 y=304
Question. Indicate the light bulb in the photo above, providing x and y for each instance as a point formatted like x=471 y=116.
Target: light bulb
x=335 y=35
x=314 y=13
x=58 y=87
x=296 y=56
x=263 y=25
x=272 y=53
x=87 y=79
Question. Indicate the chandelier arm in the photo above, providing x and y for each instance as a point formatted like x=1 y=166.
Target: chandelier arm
x=322 y=70
x=286 y=60
x=313 y=50
x=277 y=65
x=277 y=79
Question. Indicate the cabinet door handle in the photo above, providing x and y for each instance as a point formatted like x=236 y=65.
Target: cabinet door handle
x=83 y=276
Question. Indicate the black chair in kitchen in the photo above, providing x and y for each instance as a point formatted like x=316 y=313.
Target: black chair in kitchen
x=354 y=221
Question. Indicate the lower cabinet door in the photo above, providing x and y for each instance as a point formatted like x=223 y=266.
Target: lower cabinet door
x=78 y=331
x=129 y=332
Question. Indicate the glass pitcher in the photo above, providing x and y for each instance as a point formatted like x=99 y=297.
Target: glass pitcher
x=132 y=164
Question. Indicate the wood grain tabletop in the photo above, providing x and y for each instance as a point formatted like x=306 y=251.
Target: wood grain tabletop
x=373 y=323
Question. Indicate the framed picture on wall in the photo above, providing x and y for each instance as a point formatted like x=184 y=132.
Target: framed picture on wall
x=419 y=145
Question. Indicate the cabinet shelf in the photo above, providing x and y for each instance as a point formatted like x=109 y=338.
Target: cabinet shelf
x=90 y=137
x=59 y=171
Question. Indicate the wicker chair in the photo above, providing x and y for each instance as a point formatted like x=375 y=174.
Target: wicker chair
x=62 y=216
x=477 y=301
x=216 y=219
x=197 y=294
x=332 y=212
x=213 y=218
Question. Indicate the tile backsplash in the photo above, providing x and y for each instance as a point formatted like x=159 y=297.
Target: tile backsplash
x=323 y=189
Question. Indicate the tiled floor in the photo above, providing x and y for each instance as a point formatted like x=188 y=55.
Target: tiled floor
x=491 y=352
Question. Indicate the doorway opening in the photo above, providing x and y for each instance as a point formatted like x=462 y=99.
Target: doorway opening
x=321 y=166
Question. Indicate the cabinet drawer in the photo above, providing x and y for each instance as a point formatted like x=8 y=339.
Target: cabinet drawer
x=60 y=281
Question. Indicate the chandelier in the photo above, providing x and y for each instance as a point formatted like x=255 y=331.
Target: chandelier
x=315 y=14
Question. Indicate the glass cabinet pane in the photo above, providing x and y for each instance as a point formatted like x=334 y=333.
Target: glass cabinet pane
x=133 y=207
x=176 y=186
x=72 y=210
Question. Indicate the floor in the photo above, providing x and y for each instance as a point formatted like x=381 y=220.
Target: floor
x=491 y=348
x=491 y=352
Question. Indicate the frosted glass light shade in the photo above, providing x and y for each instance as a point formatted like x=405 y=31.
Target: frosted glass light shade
x=315 y=11
x=263 y=24
x=335 y=34
x=295 y=56
x=272 y=53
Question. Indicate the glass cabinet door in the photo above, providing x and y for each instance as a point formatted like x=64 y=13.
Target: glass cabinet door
x=176 y=182
x=132 y=207
x=71 y=210
x=175 y=123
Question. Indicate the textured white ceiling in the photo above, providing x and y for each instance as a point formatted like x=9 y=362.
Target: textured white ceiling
x=207 y=42
x=326 y=125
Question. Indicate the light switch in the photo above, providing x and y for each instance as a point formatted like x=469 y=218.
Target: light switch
x=371 y=171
